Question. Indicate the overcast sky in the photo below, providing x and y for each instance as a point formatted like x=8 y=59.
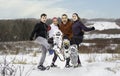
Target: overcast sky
x=12 y=9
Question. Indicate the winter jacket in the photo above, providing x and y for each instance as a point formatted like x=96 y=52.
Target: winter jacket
x=67 y=29
x=40 y=29
x=78 y=28
x=53 y=30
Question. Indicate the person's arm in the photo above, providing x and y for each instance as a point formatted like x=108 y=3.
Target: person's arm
x=86 y=28
x=34 y=31
x=49 y=28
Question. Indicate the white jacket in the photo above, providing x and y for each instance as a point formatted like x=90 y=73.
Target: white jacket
x=53 y=30
x=56 y=39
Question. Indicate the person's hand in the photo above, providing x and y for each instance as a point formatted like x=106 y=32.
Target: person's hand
x=50 y=40
x=93 y=28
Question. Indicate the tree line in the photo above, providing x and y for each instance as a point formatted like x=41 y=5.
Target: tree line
x=16 y=30
x=20 y=29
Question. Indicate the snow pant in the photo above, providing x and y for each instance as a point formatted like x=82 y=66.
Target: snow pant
x=55 y=55
x=77 y=40
x=45 y=46
x=67 y=61
x=54 y=58
x=44 y=51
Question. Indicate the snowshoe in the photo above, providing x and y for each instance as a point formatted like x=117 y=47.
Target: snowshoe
x=74 y=55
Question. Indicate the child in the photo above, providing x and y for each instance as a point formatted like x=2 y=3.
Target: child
x=55 y=35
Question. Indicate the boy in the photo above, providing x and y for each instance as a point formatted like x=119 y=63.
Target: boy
x=40 y=33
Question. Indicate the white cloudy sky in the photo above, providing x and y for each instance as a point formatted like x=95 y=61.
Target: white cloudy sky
x=10 y=9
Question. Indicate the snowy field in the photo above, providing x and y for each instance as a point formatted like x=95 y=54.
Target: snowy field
x=92 y=65
x=101 y=36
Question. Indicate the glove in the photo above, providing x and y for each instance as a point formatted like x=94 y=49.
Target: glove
x=93 y=28
x=50 y=40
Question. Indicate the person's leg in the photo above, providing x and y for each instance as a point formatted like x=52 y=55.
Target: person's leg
x=55 y=57
x=79 y=62
x=79 y=41
x=54 y=60
x=44 y=51
x=67 y=65
x=67 y=62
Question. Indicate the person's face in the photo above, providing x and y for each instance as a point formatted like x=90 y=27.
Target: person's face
x=55 y=21
x=64 y=19
x=43 y=19
x=74 y=17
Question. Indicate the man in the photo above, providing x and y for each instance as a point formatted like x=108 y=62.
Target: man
x=66 y=28
x=40 y=33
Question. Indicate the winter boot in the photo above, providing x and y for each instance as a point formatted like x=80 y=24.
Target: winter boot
x=41 y=67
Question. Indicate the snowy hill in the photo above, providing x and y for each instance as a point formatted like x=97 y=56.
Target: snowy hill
x=101 y=26
x=105 y=25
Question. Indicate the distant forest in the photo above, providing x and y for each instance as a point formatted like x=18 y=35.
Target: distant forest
x=20 y=29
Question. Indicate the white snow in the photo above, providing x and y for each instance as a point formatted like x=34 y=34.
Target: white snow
x=105 y=25
x=103 y=36
x=102 y=26
x=35 y=49
x=87 y=44
x=93 y=64
x=100 y=65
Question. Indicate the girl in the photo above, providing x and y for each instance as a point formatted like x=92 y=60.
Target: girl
x=78 y=29
x=54 y=28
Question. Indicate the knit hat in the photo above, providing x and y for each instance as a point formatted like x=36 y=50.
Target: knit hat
x=54 y=18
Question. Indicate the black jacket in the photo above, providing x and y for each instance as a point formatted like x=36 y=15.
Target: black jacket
x=40 y=29
x=77 y=28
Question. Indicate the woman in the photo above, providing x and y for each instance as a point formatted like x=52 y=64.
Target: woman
x=54 y=28
x=78 y=29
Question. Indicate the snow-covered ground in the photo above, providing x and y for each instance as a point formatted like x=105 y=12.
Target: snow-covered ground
x=92 y=65
x=105 y=25
x=103 y=36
